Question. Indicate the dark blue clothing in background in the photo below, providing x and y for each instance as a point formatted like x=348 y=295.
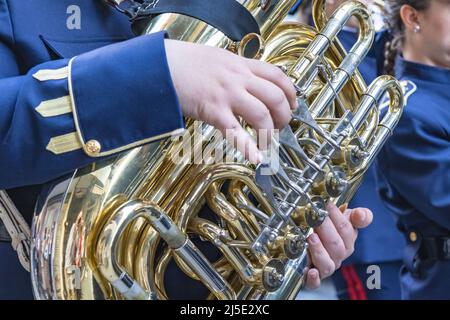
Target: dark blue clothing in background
x=414 y=176
x=15 y=281
x=381 y=243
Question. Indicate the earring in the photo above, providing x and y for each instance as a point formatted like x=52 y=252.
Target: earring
x=416 y=28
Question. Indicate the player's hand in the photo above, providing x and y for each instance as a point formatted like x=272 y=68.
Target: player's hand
x=217 y=86
x=334 y=241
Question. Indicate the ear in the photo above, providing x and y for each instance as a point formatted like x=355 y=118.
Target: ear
x=410 y=17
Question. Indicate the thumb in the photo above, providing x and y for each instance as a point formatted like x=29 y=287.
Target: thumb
x=361 y=218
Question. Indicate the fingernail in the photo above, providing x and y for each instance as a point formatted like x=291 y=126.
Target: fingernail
x=329 y=205
x=343 y=207
x=255 y=158
x=364 y=215
x=260 y=157
x=314 y=238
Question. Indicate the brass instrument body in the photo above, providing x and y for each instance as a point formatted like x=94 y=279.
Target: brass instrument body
x=97 y=233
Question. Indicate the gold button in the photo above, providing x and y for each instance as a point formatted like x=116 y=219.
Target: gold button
x=93 y=147
x=413 y=236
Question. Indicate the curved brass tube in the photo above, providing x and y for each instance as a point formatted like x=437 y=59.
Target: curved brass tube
x=177 y=240
x=112 y=216
x=212 y=232
x=218 y=203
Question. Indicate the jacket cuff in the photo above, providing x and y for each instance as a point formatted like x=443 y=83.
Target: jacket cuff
x=123 y=96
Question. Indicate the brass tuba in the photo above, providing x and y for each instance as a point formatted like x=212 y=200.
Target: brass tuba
x=113 y=229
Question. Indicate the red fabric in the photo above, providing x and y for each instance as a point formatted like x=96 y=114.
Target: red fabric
x=355 y=287
x=349 y=282
x=358 y=284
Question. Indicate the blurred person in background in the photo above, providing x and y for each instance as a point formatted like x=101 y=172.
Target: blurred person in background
x=414 y=166
x=381 y=244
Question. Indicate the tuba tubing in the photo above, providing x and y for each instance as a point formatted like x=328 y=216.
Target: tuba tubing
x=111 y=230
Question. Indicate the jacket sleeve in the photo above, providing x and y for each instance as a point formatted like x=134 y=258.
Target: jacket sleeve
x=64 y=114
x=416 y=163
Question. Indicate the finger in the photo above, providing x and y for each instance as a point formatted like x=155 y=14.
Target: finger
x=276 y=76
x=347 y=213
x=361 y=217
x=332 y=241
x=319 y=257
x=343 y=226
x=255 y=113
x=237 y=136
x=343 y=207
x=312 y=278
x=273 y=98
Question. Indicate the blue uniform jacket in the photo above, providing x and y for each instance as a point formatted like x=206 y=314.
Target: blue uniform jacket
x=381 y=241
x=414 y=174
x=74 y=86
x=296 y=6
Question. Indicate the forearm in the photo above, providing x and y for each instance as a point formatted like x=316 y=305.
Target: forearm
x=64 y=114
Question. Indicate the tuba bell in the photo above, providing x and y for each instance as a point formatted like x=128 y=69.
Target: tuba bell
x=113 y=229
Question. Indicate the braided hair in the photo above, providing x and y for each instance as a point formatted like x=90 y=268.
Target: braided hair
x=396 y=29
